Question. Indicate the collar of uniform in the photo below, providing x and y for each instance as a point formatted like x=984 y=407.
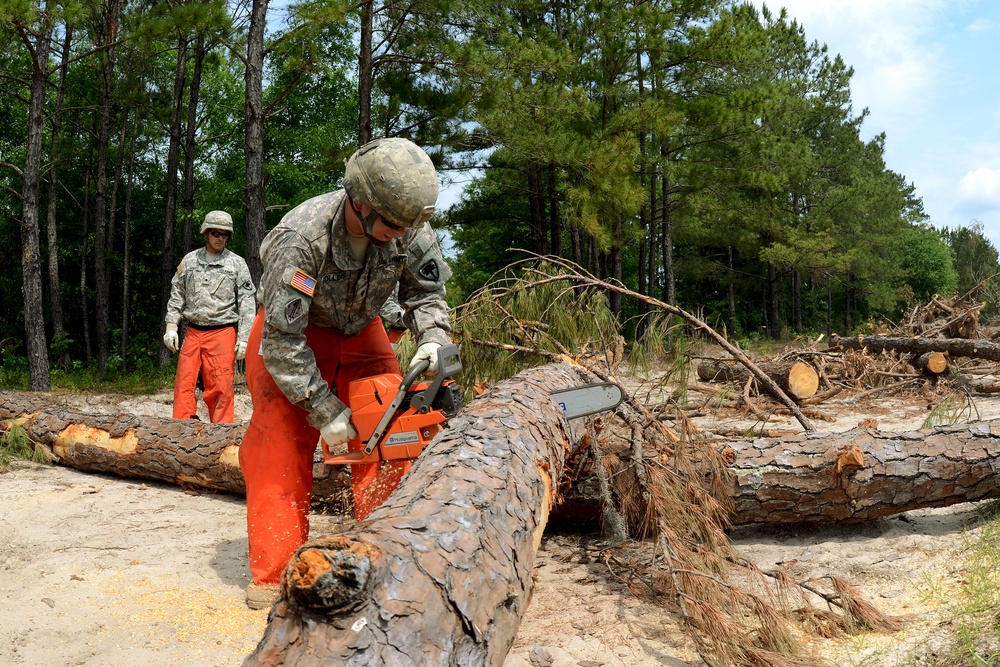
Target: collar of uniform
x=204 y=257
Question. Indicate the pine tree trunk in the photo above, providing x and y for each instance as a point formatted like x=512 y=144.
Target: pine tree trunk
x=39 y=378
x=863 y=474
x=441 y=573
x=167 y=264
x=254 y=143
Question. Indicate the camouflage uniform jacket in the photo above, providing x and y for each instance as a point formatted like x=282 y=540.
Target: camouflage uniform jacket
x=210 y=292
x=311 y=278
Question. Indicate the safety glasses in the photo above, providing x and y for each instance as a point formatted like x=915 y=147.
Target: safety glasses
x=219 y=235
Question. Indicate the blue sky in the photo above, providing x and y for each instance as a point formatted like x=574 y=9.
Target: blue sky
x=925 y=71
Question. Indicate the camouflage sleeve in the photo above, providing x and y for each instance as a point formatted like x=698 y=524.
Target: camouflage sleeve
x=175 y=306
x=246 y=302
x=422 y=289
x=287 y=357
x=391 y=312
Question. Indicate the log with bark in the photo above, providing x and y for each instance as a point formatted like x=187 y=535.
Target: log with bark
x=189 y=453
x=863 y=474
x=441 y=573
x=792 y=479
x=972 y=348
x=796 y=378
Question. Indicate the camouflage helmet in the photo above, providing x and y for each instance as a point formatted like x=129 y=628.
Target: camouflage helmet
x=217 y=220
x=395 y=177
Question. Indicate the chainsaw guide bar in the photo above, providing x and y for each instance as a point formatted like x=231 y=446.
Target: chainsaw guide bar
x=589 y=399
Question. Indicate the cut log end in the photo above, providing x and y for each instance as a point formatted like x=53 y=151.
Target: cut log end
x=934 y=363
x=803 y=380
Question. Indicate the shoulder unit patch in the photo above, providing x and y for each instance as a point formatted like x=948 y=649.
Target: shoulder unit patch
x=303 y=282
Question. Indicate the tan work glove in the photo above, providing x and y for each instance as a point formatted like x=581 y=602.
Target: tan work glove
x=170 y=338
x=241 y=350
x=426 y=352
x=339 y=431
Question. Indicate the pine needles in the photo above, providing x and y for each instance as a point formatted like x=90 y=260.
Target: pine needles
x=16 y=445
x=662 y=491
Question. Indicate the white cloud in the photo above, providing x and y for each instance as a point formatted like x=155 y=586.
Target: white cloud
x=979 y=190
x=981 y=25
x=891 y=44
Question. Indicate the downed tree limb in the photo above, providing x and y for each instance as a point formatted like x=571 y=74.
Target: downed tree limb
x=190 y=453
x=973 y=348
x=441 y=573
x=863 y=474
x=796 y=378
x=577 y=275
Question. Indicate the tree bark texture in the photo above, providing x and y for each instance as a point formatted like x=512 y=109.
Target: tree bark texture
x=973 y=348
x=441 y=573
x=796 y=378
x=863 y=474
x=39 y=375
x=190 y=453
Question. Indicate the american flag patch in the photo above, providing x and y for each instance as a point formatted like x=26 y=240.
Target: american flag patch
x=303 y=282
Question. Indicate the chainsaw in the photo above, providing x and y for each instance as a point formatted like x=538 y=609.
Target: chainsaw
x=397 y=417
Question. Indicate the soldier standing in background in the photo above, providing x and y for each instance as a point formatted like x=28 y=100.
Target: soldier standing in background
x=213 y=291
x=329 y=267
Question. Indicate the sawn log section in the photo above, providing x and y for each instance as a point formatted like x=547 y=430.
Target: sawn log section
x=190 y=453
x=863 y=474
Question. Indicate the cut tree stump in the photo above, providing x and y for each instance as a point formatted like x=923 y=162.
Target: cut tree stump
x=190 y=453
x=441 y=573
x=796 y=378
x=973 y=348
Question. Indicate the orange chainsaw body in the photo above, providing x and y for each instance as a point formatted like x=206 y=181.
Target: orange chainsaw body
x=409 y=430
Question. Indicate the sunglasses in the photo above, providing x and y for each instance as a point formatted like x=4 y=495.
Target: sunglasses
x=219 y=235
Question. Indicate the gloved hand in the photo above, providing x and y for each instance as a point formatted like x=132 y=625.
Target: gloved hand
x=339 y=431
x=426 y=352
x=170 y=338
x=241 y=350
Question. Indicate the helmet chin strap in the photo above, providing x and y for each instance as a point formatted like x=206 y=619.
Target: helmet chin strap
x=368 y=224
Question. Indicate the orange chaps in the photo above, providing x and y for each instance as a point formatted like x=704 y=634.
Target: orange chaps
x=213 y=352
x=276 y=454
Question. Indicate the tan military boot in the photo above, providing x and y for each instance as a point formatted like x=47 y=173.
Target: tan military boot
x=260 y=596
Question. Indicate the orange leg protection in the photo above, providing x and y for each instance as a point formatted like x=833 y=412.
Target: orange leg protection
x=276 y=454
x=213 y=353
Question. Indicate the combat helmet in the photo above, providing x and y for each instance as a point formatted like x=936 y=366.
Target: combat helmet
x=394 y=177
x=217 y=220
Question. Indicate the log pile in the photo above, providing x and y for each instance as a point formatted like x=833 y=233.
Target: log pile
x=939 y=348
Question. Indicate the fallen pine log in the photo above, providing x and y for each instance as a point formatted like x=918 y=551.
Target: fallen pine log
x=190 y=453
x=795 y=478
x=973 y=348
x=441 y=573
x=796 y=378
x=862 y=474
x=933 y=363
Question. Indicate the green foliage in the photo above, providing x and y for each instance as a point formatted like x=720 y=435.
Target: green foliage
x=523 y=317
x=15 y=444
x=927 y=263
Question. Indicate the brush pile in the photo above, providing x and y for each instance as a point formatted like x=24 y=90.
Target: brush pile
x=938 y=350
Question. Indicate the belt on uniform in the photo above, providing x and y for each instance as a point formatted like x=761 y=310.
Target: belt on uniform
x=210 y=327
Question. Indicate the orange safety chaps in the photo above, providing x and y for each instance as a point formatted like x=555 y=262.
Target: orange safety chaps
x=213 y=353
x=276 y=454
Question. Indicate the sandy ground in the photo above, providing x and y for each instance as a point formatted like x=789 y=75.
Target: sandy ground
x=102 y=571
